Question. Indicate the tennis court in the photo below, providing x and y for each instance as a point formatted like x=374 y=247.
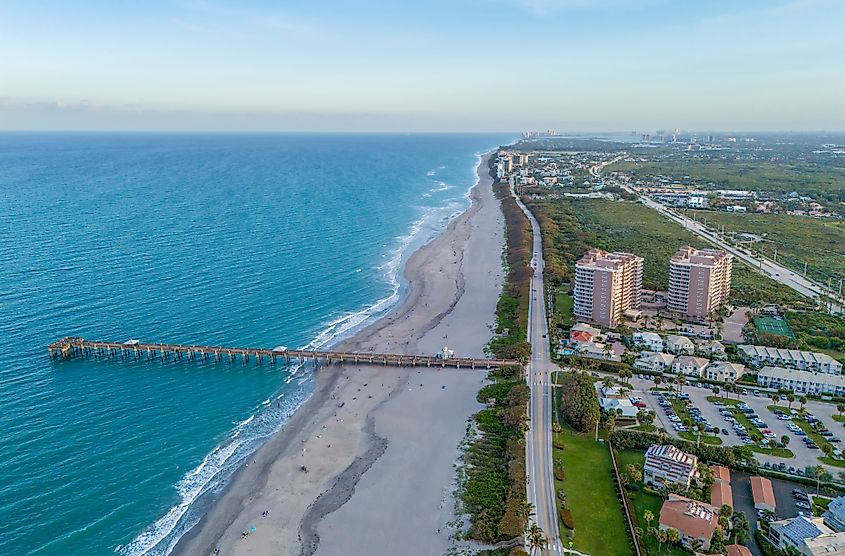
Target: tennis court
x=774 y=325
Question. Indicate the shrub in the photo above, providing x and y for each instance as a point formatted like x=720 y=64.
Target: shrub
x=559 y=474
x=567 y=519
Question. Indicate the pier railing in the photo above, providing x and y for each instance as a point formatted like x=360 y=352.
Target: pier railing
x=80 y=347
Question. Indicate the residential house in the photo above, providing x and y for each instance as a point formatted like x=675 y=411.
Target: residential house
x=763 y=494
x=693 y=520
x=666 y=463
x=690 y=366
x=654 y=362
x=595 y=350
x=650 y=341
x=622 y=406
x=834 y=517
x=723 y=371
x=583 y=332
x=721 y=494
x=679 y=345
x=824 y=545
x=710 y=348
x=759 y=356
x=803 y=382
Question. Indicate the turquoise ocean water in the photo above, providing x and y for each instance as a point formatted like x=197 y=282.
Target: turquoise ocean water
x=246 y=240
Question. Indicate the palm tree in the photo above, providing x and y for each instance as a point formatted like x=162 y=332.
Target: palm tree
x=681 y=379
x=775 y=398
x=840 y=408
x=791 y=399
x=741 y=528
x=607 y=382
x=536 y=539
x=802 y=400
x=784 y=440
x=648 y=515
x=657 y=380
x=672 y=536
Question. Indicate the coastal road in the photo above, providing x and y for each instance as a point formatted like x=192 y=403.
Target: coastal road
x=541 y=485
x=767 y=267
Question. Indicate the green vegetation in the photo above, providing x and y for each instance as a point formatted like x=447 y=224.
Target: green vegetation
x=588 y=495
x=705 y=438
x=494 y=493
x=571 y=227
x=512 y=309
x=823 y=182
x=819 y=331
x=798 y=239
x=580 y=403
x=729 y=456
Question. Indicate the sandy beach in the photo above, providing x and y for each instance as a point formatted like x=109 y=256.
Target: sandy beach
x=367 y=464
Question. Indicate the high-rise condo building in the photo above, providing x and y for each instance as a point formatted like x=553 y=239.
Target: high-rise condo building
x=699 y=281
x=607 y=285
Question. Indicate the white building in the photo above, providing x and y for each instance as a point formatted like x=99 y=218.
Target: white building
x=690 y=366
x=710 y=348
x=804 y=382
x=834 y=517
x=758 y=356
x=723 y=371
x=654 y=362
x=664 y=462
x=807 y=535
x=679 y=345
x=648 y=340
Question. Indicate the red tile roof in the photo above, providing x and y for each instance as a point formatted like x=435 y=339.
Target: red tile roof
x=721 y=494
x=761 y=490
x=692 y=518
x=737 y=550
x=721 y=473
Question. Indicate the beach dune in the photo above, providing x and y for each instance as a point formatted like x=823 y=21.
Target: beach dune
x=367 y=464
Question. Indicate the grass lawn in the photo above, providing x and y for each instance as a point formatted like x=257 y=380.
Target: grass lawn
x=564 y=306
x=776 y=452
x=705 y=438
x=591 y=495
x=643 y=501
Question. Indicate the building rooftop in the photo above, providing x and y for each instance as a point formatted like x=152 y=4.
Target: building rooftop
x=786 y=354
x=702 y=257
x=721 y=473
x=675 y=339
x=668 y=451
x=695 y=519
x=721 y=494
x=737 y=550
x=802 y=376
x=762 y=492
x=831 y=544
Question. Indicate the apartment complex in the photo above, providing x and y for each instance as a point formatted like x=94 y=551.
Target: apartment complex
x=607 y=285
x=699 y=281
x=801 y=382
x=796 y=359
x=664 y=462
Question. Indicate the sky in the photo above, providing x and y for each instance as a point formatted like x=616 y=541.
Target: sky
x=424 y=65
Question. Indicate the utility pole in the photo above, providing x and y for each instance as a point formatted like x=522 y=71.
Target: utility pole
x=776 y=254
x=805 y=270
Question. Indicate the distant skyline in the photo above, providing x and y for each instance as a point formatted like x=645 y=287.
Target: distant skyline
x=460 y=65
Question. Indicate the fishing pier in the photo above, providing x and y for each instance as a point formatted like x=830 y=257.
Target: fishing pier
x=133 y=349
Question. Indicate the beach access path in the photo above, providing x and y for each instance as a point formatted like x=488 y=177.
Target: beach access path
x=379 y=444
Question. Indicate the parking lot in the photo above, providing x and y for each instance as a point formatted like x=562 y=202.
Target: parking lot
x=710 y=413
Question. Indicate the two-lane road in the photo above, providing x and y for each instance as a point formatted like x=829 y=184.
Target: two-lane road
x=541 y=486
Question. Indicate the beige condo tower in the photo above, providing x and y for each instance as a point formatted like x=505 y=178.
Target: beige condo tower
x=607 y=285
x=699 y=281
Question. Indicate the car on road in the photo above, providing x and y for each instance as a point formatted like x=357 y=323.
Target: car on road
x=802 y=505
x=725 y=431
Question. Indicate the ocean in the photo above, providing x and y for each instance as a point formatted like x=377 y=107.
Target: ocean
x=228 y=239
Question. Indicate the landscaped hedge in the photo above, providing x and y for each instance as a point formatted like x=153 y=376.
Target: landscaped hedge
x=722 y=455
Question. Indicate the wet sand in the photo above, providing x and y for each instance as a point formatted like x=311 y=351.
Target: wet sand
x=379 y=443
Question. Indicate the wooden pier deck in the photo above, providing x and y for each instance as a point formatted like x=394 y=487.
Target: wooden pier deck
x=80 y=347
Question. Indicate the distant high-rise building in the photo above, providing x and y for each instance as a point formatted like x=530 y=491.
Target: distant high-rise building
x=699 y=281
x=607 y=285
x=523 y=160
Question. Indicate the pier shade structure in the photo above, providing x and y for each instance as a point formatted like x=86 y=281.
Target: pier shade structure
x=80 y=347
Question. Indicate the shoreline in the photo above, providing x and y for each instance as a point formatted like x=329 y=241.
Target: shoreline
x=436 y=280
